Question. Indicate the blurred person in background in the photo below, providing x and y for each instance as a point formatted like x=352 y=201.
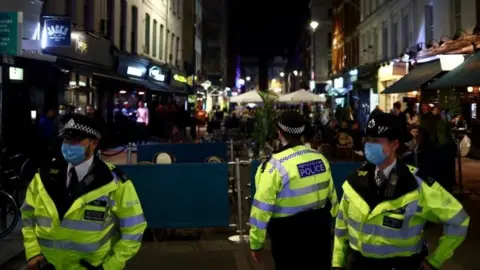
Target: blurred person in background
x=142 y=123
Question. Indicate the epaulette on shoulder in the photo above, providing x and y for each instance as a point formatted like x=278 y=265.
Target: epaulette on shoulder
x=425 y=178
x=119 y=174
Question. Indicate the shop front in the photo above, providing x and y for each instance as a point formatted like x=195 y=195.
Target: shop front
x=389 y=74
x=125 y=96
x=28 y=83
x=86 y=60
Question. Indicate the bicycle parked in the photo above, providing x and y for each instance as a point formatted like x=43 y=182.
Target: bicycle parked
x=13 y=171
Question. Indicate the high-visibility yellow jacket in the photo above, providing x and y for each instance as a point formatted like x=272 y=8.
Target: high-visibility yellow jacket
x=394 y=228
x=104 y=226
x=294 y=180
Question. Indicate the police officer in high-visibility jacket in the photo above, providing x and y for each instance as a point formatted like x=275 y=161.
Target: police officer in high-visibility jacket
x=80 y=212
x=294 y=202
x=385 y=206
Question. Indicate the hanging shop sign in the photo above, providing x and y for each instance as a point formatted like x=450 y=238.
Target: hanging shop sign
x=57 y=31
x=11 y=33
x=133 y=67
x=157 y=74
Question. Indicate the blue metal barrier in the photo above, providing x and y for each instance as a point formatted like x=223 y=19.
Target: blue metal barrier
x=183 y=152
x=182 y=195
x=340 y=172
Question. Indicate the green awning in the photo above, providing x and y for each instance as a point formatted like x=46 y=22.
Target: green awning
x=466 y=74
x=416 y=78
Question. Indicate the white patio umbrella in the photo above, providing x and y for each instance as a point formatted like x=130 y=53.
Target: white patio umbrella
x=248 y=97
x=301 y=96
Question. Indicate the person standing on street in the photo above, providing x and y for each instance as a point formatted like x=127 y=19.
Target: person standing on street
x=385 y=206
x=80 y=212
x=294 y=202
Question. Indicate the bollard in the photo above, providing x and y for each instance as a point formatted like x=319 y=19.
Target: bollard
x=129 y=153
x=240 y=238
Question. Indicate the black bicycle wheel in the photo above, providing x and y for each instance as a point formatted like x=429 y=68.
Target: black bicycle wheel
x=9 y=214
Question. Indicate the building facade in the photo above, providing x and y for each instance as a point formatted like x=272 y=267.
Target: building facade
x=345 y=51
x=192 y=36
x=276 y=74
x=321 y=45
x=215 y=50
x=389 y=30
x=250 y=71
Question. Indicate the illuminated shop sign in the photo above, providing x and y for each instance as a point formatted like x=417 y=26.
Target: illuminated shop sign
x=180 y=78
x=136 y=71
x=156 y=74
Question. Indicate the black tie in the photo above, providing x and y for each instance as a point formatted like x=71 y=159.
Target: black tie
x=380 y=179
x=73 y=179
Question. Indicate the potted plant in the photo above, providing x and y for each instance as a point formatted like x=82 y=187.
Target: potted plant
x=264 y=123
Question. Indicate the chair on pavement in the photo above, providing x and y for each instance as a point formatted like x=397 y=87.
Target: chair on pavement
x=164 y=158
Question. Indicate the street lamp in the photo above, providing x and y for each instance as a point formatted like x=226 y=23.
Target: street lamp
x=248 y=78
x=282 y=74
x=313 y=25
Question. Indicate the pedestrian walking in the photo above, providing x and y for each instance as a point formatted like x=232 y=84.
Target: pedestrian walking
x=294 y=202
x=80 y=212
x=385 y=206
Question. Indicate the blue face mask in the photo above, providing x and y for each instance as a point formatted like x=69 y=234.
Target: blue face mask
x=73 y=154
x=374 y=153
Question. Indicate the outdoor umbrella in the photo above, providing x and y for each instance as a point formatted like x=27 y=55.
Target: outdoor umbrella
x=249 y=97
x=300 y=96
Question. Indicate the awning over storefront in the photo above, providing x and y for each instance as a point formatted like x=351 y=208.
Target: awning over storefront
x=416 y=78
x=466 y=74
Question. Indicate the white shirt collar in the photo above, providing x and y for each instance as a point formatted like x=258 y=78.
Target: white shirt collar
x=388 y=169
x=81 y=169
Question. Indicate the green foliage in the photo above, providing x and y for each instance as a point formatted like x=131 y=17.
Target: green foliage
x=265 y=120
x=449 y=100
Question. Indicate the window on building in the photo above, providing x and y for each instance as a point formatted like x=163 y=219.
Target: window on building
x=457 y=15
x=428 y=24
x=405 y=31
x=179 y=8
x=70 y=10
x=146 y=46
x=329 y=40
x=134 y=33
x=177 y=52
x=154 y=43
x=478 y=12
x=167 y=47
x=109 y=23
x=88 y=15
x=172 y=41
x=174 y=7
x=123 y=25
x=394 y=39
x=329 y=13
x=385 y=40
x=161 y=41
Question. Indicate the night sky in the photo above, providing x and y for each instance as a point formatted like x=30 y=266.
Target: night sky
x=265 y=28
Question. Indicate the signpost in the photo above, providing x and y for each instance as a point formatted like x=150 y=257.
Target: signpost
x=11 y=33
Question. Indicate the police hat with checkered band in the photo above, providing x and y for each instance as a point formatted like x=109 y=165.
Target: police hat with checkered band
x=383 y=125
x=291 y=123
x=81 y=127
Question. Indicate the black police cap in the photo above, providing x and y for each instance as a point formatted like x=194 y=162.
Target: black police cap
x=292 y=123
x=81 y=126
x=384 y=125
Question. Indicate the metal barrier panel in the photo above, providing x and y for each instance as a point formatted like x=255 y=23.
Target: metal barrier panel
x=182 y=195
x=340 y=172
x=183 y=152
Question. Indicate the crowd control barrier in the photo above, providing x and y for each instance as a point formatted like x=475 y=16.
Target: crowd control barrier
x=340 y=172
x=183 y=152
x=187 y=195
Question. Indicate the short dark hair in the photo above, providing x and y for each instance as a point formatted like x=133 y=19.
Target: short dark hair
x=397 y=105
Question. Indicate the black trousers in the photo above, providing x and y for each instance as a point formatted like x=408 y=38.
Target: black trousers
x=302 y=241
x=360 y=262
